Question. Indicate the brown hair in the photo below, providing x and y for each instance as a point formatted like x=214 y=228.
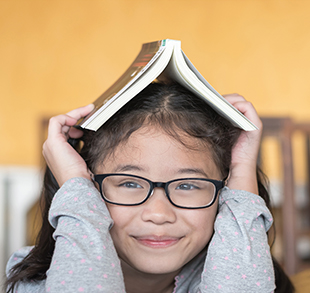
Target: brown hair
x=173 y=109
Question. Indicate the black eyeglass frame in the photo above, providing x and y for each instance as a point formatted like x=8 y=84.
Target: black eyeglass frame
x=217 y=183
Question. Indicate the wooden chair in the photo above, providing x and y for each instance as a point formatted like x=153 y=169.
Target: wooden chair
x=282 y=129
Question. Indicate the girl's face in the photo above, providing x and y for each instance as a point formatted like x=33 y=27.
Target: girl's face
x=157 y=237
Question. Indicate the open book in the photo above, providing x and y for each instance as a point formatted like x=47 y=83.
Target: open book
x=162 y=59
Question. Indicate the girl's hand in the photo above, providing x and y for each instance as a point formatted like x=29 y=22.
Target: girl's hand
x=60 y=156
x=245 y=152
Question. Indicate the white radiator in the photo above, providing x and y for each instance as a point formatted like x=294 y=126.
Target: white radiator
x=19 y=189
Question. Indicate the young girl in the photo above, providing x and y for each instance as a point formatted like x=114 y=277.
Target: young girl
x=162 y=198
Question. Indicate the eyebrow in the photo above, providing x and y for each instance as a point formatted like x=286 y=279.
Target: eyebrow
x=129 y=167
x=193 y=171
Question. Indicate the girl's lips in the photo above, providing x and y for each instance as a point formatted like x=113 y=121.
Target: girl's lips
x=157 y=241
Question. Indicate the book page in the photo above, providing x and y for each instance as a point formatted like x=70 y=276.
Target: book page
x=150 y=72
x=146 y=57
x=183 y=71
x=230 y=112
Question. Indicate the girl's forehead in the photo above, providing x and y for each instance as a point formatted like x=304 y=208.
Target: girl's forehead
x=173 y=136
x=152 y=150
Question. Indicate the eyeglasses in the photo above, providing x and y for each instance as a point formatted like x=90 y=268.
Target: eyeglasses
x=131 y=190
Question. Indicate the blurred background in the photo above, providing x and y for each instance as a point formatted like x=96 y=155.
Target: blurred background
x=61 y=54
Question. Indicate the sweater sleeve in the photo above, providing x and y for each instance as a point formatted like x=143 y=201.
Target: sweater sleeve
x=238 y=258
x=84 y=258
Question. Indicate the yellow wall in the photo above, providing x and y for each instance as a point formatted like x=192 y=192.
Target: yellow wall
x=61 y=54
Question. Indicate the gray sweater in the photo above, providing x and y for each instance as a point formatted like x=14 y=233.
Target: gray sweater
x=85 y=260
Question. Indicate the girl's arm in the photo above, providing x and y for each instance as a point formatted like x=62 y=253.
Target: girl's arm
x=238 y=258
x=244 y=153
x=84 y=258
x=62 y=159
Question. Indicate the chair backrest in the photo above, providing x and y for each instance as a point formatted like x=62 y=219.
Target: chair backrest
x=283 y=129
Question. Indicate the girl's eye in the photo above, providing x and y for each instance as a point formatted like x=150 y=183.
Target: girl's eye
x=130 y=185
x=187 y=186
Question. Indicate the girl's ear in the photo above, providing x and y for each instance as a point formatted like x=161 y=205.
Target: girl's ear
x=91 y=174
x=227 y=178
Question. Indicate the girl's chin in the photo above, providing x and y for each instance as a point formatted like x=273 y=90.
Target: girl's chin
x=153 y=265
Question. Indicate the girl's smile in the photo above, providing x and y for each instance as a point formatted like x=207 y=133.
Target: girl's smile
x=154 y=241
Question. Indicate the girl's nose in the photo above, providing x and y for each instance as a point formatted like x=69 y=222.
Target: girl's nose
x=158 y=209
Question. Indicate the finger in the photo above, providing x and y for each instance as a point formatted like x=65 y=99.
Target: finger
x=60 y=125
x=233 y=98
x=248 y=110
x=81 y=112
x=245 y=107
x=75 y=133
